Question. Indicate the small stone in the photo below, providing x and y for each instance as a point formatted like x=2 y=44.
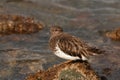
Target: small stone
x=114 y=35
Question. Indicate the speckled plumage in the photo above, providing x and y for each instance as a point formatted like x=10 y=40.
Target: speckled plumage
x=61 y=42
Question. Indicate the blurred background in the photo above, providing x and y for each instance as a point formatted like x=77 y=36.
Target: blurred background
x=22 y=54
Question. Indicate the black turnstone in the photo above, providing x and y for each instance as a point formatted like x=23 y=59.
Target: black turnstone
x=69 y=47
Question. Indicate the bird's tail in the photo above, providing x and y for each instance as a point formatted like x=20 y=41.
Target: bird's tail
x=96 y=51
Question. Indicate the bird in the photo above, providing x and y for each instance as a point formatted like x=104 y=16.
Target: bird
x=69 y=47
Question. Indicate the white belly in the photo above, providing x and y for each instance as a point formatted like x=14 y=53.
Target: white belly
x=63 y=55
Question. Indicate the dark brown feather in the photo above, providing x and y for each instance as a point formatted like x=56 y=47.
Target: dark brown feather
x=70 y=45
x=75 y=47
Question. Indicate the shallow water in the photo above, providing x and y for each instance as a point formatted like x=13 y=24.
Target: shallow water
x=89 y=20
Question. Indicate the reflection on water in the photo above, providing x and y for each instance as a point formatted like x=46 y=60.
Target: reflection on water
x=23 y=54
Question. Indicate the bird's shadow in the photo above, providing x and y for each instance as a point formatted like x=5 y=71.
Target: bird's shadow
x=78 y=61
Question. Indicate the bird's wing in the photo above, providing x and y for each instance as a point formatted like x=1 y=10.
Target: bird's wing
x=73 y=46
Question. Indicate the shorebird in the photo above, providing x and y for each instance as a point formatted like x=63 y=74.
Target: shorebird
x=69 y=47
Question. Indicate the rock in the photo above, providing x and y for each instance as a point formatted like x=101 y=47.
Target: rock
x=107 y=71
x=70 y=70
x=16 y=24
x=114 y=35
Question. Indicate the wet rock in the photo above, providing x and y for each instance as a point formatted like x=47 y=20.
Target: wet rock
x=70 y=70
x=115 y=34
x=107 y=71
x=103 y=78
x=15 y=24
x=15 y=63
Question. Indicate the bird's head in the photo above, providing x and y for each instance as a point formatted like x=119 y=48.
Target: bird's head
x=54 y=30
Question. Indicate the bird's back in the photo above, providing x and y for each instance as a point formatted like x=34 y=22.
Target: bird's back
x=69 y=44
